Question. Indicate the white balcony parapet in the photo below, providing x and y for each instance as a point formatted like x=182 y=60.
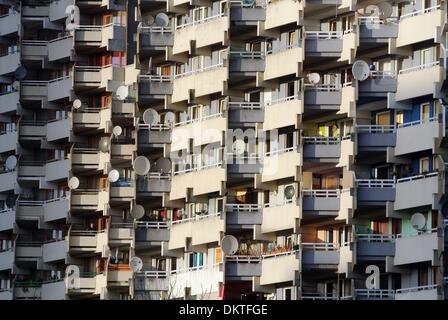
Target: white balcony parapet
x=155 y=77
x=245 y=105
x=418 y=233
x=416 y=289
x=283 y=99
x=280 y=254
x=155 y=29
x=202 y=69
x=417 y=122
x=375 y=237
x=375 y=183
x=375 y=293
x=243 y=207
x=278 y=204
x=202 y=118
x=243 y=259
x=322 y=193
x=320 y=246
x=152 y=274
x=419 y=12
x=256 y=4
x=199 y=21
x=325 y=87
x=419 y=67
x=375 y=128
x=247 y=54
x=155 y=127
x=280 y=151
x=418 y=177
x=197 y=218
x=96 y=27
x=196 y=268
x=32 y=203
x=153 y=224
x=323 y=35
x=321 y=140
x=369 y=20
x=382 y=74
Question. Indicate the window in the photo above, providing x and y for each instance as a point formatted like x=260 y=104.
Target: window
x=288 y=294
x=195 y=259
x=333 y=25
x=290 y=89
x=399 y=117
x=425 y=56
x=424 y=111
x=437 y=108
x=422 y=276
x=424 y=164
x=292 y=39
x=383 y=118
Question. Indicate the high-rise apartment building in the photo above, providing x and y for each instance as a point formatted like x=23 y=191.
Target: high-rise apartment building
x=241 y=149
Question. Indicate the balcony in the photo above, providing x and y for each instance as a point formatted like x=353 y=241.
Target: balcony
x=321 y=149
x=200 y=82
x=428 y=20
x=245 y=112
x=419 y=191
x=153 y=135
x=418 y=135
x=10 y=24
x=323 y=97
x=8 y=181
x=122 y=191
x=152 y=232
x=374 y=30
x=280 y=267
x=89 y=284
x=374 y=247
x=424 y=246
x=280 y=216
x=242 y=14
x=7 y=219
x=246 y=63
x=57 y=169
x=6 y=294
x=50 y=90
x=58 y=49
x=283 y=112
x=286 y=60
x=32 y=131
x=379 y=84
x=110 y=36
x=60 y=129
x=203 y=33
x=243 y=165
x=9 y=101
x=154 y=184
x=419 y=81
x=100 y=78
x=34 y=90
x=44 y=211
x=121 y=234
x=53 y=290
x=27 y=290
x=7 y=259
x=320 y=255
x=325 y=44
x=54 y=251
x=119 y=275
x=123 y=150
x=280 y=164
x=243 y=267
x=9 y=62
x=151 y=283
x=375 y=137
x=85 y=199
x=279 y=13
x=8 y=140
x=87 y=242
x=28 y=252
x=374 y=294
x=154 y=39
x=91 y=119
x=429 y=292
x=193 y=228
x=154 y=87
x=375 y=191
x=84 y=159
x=243 y=215
x=121 y=109
x=321 y=202
x=202 y=281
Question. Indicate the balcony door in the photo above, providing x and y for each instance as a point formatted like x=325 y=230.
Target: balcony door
x=424 y=111
x=383 y=118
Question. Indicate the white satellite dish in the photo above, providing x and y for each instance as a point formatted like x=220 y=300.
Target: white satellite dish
x=418 y=221
x=313 y=78
x=150 y=116
x=141 y=165
x=104 y=144
x=385 y=10
x=122 y=92
x=137 y=212
x=229 y=244
x=170 y=117
x=11 y=163
x=73 y=183
x=136 y=264
x=16 y=85
x=113 y=175
x=20 y=73
x=163 y=165
x=117 y=131
x=239 y=147
x=77 y=103
x=162 y=20
x=289 y=192
x=148 y=20
x=360 y=70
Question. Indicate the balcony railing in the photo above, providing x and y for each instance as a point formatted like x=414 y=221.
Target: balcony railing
x=200 y=21
x=243 y=207
x=155 y=29
x=324 y=87
x=419 y=67
x=243 y=259
x=280 y=151
x=369 y=20
x=375 y=183
x=322 y=193
x=375 y=128
x=318 y=246
x=247 y=54
x=197 y=217
x=157 y=274
x=202 y=118
x=155 y=77
x=419 y=12
x=417 y=122
x=375 y=293
x=245 y=105
x=321 y=140
x=255 y=4
x=153 y=224
x=417 y=289
x=279 y=254
x=323 y=35
x=382 y=74
x=375 y=237
x=417 y=233
x=418 y=177
x=198 y=70
x=317 y=296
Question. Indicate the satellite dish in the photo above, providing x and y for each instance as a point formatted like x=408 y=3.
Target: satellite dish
x=360 y=70
x=289 y=192
x=163 y=165
x=20 y=73
x=238 y=147
x=77 y=104
x=137 y=212
x=150 y=116
x=113 y=175
x=11 y=163
x=104 y=144
x=248 y=3
x=418 y=221
x=136 y=264
x=16 y=85
x=385 y=10
x=313 y=78
x=122 y=92
x=73 y=183
x=141 y=165
x=162 y=20
x=229 y=245
x=170 y=117
x=149 y=20
x=10 y=201
x=117 y=131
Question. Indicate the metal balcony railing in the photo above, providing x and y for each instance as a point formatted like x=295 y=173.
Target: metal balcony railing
x=156 y=77
x=375 y=293
x=243 y=207
x=321 y=140
x=200 y=21
x=322 y=193
x=243 y=259
x=324 y=87
x=375 y=183
x=156 y=274
x=417 y=122
x=323 y=35
x=280 y=151
x=419 y=67
x=247 y=54
x=417 y=289
x=245 y=105
x=320 y=246
x=197 y=217
x=375 y=128
x=280 y=254
x=375 y=237
x=283 y=99
x=418 y=177
x=153 y=224
x=419 y=12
